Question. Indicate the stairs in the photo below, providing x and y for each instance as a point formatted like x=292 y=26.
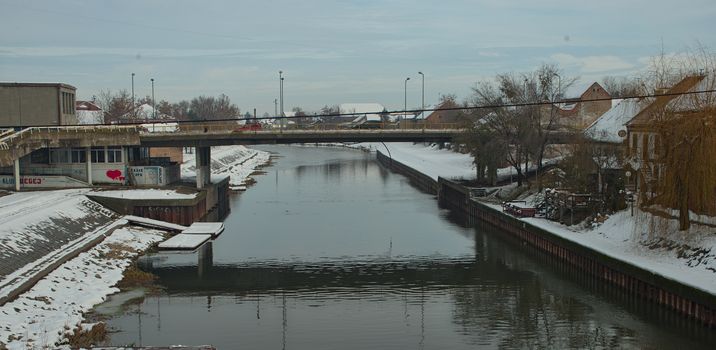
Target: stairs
x=17 y=144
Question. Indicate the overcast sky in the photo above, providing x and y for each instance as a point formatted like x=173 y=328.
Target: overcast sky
x=334 y=51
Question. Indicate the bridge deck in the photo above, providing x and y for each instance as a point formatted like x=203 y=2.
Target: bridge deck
x=228 y=137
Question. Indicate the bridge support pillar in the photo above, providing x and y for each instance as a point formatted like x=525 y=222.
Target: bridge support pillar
x=16 y=173
x=88 y=155
x=203 y=168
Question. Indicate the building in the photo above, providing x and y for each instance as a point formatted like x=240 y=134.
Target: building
x=445 y=116
x=37 y=104
x=610 y=127
x=363 y=112
x=80 y=167
x=578 y=113
x=88 y=113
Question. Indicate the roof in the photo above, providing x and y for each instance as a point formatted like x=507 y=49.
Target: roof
x=446 y=116
x=606 y=128
x=696 y=101
x=363 y=111
x=55 y=85
x=645 y=116
x=593 y=86
x=360 y=108
x=86 y=106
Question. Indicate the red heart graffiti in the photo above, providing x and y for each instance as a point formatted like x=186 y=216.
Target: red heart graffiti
x=114 y=174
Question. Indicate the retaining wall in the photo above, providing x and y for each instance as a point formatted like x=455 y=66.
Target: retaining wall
x=632 y=280
x=420 y=180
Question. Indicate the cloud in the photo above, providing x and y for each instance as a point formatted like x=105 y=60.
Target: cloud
x=593 y=64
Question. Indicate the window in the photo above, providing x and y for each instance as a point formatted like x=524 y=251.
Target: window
x=97 y=154
x=79 y=155
x=59 y=156
x=114 y=154
x=41 y=156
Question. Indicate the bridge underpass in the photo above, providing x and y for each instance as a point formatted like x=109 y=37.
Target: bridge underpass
x=203 y=136
x=17 y=144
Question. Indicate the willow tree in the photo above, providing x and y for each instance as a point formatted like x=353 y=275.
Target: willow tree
x=685 y=143
x=688 y=177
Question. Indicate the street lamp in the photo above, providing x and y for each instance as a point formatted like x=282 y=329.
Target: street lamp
x=154 y=110
x=405 y=109
x=280 y=96
x=559 y=83
x=422 y=111
x=132 y=90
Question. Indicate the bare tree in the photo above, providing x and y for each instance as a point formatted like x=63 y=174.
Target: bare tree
x=116 y=106
x=619 y=87
x=212 y=108
x=519 y=114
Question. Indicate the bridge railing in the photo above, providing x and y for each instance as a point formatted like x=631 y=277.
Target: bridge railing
x=223 y=127
x=15 y=137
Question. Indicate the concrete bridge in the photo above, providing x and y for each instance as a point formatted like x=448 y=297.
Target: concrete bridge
x=15 y=144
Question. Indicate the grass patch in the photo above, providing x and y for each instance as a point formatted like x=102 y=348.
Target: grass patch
x=135 y=278
x=85 y=338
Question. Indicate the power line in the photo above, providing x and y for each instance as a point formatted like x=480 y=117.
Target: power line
x=507 y=105
x=415 y=111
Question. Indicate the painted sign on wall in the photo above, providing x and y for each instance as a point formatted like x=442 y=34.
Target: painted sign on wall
x=40 y=181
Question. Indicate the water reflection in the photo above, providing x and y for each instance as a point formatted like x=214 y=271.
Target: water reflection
x=337 y=253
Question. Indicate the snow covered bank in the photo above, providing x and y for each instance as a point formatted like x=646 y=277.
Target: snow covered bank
x=237 y=162
x=40 y=317
x=151 y=193
x=686 y=258
x=430 y=160
x=36 y=224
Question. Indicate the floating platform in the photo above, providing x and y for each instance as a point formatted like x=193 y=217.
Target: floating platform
x=200 y=228
x=185 y=241
x=151 y=223
x=238 y=188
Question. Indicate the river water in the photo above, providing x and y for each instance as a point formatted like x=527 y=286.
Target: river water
x=331 y=251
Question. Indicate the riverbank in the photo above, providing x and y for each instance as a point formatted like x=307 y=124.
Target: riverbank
x=237 y=162
x=46 y=237
x=44 y=315
x=686 y=259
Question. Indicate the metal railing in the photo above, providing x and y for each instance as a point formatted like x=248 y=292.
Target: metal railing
x=223 y=127
x=8 y=138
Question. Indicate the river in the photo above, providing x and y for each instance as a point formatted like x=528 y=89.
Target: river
x=331 y=251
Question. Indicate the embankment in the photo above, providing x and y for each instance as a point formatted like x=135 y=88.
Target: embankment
x=632 y=280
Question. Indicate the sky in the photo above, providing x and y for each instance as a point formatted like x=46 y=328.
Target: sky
x=333 y=52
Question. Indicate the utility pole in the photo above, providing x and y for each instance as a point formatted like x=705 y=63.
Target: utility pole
x=280 y=96
x=154 y=105
x=405 y=100
x=422 y=111
x=132 y=90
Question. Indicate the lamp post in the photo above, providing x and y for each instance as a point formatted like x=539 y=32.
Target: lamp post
x=132 y=90
x=405 y=99
x=154 y=109
x=559 y=83
x=280 y=96
x=422 y=108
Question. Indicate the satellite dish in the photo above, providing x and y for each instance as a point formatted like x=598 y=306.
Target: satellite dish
x=622 y=133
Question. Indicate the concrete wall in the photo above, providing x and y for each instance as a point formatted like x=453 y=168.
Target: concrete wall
x=36 y=104
x=154 y=175
x=174 y=154
x=41 y=181
x=102 y=173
